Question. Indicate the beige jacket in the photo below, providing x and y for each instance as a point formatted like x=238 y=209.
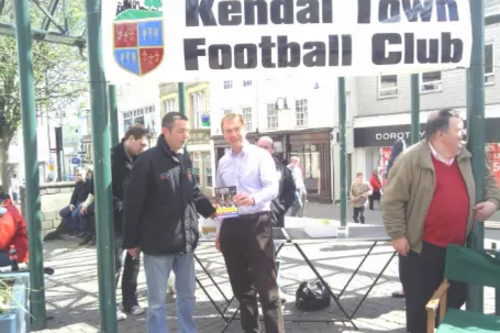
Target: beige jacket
x=410 y=187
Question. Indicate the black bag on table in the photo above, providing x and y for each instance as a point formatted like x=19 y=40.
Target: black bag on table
x=312 y=296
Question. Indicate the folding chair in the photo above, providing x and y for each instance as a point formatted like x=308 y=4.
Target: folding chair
x=469 y=266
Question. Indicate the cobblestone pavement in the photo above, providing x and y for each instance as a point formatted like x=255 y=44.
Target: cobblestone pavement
x=72 y=292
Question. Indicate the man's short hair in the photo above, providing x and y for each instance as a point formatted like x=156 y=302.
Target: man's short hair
x=233 y=116
x=138 y=131
x=169 y=119
x=268 y=139
x=439 y=121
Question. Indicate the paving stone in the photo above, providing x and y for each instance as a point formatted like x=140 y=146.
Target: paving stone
x=72 y=292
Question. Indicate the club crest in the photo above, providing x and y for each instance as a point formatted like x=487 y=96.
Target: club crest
x=138 y=36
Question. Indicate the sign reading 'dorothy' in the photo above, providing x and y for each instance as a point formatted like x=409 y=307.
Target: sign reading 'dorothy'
x=187 y=40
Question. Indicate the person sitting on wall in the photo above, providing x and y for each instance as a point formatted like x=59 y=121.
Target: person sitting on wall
x=71 y=213
x=12 y=231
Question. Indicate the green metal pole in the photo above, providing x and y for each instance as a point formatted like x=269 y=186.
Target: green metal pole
x=28 y=114
x=113 y=115
x=102 y=170
x=343 y=151
x=477 y=136
x=415 y=109
x=182 y=97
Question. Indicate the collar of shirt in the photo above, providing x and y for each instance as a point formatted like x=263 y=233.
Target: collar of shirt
x=243 y=150
x=438 y=157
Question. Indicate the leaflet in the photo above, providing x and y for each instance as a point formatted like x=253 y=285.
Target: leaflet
x=225 y=204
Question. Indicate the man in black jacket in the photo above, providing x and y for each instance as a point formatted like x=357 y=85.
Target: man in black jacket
x=71 y=213
x=161 y=205
x=123 y=156
x=285 y=198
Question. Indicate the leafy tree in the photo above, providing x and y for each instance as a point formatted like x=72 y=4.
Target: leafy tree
x=59 y=76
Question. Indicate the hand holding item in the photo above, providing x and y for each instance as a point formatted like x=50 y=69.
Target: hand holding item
x=484 y=210
x=244 y=200
x=71 y=207
x=83 y=211
x=401 y=246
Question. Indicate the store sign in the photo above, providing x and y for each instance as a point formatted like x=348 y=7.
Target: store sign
x=191 y=40
x=383 y=136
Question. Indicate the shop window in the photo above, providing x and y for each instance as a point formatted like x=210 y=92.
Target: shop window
x=387 y=86
x=489 y=64
x=493 y=155
x=431 y=82
x=310 y=164
x=272 y=116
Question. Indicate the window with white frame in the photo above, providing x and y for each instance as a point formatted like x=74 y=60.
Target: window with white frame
x=301 y=112
x=198 y=107
x=431 y=81
x=144 y=116
x=228 y=84
x=387 y=86
x=272 y=116
x=169 y=105
x=489 y=63
x=247 y=114
x=227 y=111
x=247 y=83
x=207 y=165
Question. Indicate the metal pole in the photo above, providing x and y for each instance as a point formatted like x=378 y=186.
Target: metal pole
x=102 y=170
x=63 y=155
x=415 y=109
x=182 y=97
x=113 y=115
x=343 y=151
x=31 y=173
x=477 y=136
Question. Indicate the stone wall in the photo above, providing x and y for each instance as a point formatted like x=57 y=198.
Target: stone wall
x=53 y=197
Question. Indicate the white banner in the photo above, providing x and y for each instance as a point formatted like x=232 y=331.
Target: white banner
x=191 y=40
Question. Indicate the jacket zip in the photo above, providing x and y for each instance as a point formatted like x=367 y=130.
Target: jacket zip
x=181 y=185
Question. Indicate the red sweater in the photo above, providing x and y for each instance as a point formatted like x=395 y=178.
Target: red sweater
x=13 y=232
x=446 y=221
x=375 y=183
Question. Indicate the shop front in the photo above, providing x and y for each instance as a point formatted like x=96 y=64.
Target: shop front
x=374 y=145
x=311 y=146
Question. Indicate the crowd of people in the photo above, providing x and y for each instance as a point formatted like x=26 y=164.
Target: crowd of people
x=427 y=203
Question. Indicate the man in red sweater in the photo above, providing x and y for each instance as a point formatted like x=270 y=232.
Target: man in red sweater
x=12 y=232
x=428 y=203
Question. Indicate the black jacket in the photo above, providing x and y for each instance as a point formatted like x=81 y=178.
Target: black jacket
x=286 y=195
x=80 y=193
x=161 y=203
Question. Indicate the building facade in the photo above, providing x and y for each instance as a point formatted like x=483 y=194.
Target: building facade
x=383 y=104
x=200 y=145
x=297 y=113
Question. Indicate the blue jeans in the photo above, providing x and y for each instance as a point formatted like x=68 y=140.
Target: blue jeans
x=4 y=259
x=157 y=269
x=297 y=205
x=74 y=219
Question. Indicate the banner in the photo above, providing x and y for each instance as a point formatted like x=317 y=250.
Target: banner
x=493 y=156
x=190 y=40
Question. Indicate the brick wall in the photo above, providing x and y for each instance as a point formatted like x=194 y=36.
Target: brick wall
x=53 y=197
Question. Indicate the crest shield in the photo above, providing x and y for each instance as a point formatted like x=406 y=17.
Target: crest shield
x=138 y=41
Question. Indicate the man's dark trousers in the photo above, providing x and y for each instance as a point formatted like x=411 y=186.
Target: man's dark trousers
x=130 y=267
x=421 y=275
x=248 y=249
